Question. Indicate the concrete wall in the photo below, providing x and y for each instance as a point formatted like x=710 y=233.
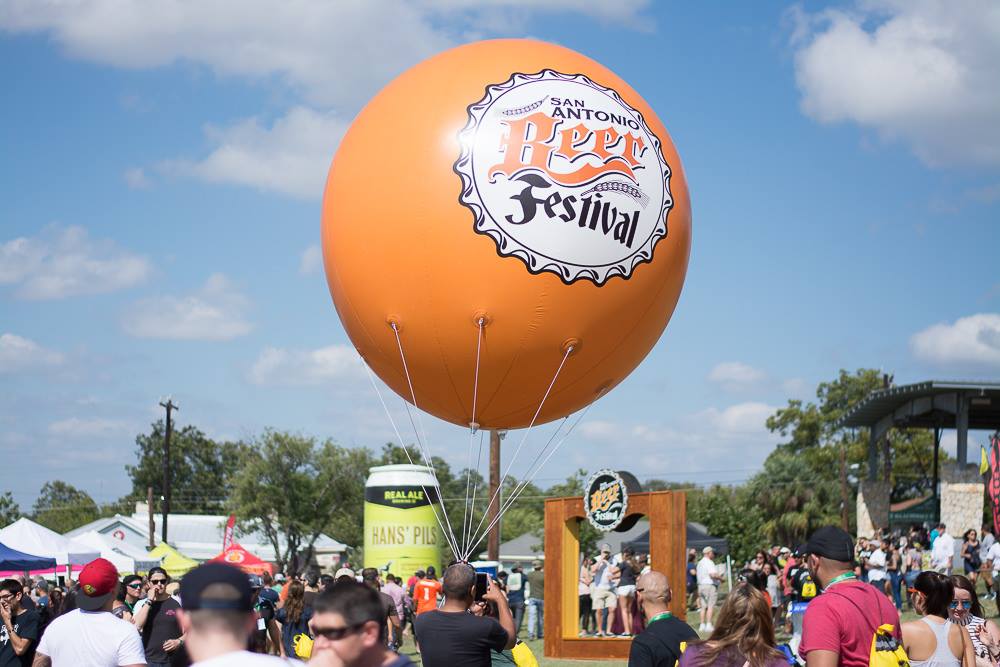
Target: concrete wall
x=962 y=498
x=873 y=507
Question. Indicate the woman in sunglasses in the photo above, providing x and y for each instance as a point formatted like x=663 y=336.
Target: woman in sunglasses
x=129 y=594
x=966 y=611
x=934 y=640
x=156 y=619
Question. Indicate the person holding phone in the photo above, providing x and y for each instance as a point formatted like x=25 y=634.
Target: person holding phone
x=458 y=637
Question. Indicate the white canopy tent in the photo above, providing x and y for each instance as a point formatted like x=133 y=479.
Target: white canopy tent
x=117 y=552
x=30 y=537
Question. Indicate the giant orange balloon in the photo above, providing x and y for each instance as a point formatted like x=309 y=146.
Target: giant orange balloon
x=516 y=184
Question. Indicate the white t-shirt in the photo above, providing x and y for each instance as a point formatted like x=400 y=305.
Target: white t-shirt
x=602 y=578
x=943 y=552
x=994 y=555
x=706 y=568
x=92 y=639
x=877 y=561
x=245 y=658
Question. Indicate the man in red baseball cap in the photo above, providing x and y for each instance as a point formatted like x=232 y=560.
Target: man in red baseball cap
x=91 y=636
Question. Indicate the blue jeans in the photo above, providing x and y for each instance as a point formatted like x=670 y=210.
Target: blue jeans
x=536 y=620
x=517 y=611
x=895 y=581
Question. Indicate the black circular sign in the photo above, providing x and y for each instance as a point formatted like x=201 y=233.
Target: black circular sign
x=606 y=500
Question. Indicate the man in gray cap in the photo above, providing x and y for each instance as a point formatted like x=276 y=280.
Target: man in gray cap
x=839 y=624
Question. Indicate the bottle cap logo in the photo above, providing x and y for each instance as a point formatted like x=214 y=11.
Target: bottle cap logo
x=564 y=174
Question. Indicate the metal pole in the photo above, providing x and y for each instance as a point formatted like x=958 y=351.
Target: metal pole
x=937 y=447
x=493 y=543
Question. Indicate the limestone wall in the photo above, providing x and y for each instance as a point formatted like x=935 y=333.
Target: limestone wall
x=962 y=497
x=873 y=507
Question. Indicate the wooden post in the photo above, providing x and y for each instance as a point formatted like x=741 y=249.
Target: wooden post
x=493 y=543
x=169 y=406
x=152 y=521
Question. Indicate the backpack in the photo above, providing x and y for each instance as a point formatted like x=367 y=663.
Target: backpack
x=805 y=587
x=886 y=651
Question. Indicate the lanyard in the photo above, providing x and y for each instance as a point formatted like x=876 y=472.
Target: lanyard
x=846 y=576
x=663 y=614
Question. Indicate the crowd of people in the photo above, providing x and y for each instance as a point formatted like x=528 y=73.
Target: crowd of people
x=140 y=620
x=838 y=600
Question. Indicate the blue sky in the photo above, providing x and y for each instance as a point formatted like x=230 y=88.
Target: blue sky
x=162 y=168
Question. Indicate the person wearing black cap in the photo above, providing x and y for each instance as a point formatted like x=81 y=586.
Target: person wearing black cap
x=840 y=623
x=217 y=617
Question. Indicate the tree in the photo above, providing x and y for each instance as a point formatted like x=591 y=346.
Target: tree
x=62 y=507
x=10 y=511
x=799 y=488
x=201 y=468
x=732 y=513
x=294 y=488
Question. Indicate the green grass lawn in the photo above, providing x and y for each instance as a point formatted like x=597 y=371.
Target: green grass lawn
x=989 y=608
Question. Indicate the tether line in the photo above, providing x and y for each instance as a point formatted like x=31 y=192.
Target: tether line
x=423 y=452
x=569 y=350
x=399 y=438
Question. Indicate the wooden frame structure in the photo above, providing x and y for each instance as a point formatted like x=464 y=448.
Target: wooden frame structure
x=667 y=513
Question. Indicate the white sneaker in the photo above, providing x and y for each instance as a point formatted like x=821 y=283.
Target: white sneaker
x=709 y=627
x=701 y=628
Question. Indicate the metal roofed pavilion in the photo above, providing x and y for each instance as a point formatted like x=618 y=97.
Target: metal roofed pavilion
x=934 y=404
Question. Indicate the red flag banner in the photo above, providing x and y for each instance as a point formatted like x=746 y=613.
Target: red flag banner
x=993 y=484
x=227 y=537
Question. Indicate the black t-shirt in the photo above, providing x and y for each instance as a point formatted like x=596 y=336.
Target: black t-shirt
x=627 y=576
x=26 y=627
x=161 y=625
x=659 y=645
x=450 y=638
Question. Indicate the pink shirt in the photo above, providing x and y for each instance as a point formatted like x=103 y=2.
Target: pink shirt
x=833 y=622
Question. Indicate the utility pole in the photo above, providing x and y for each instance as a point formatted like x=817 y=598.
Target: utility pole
x=493 y=541
x=149 y=513
x=169 y=406
x=844 y=510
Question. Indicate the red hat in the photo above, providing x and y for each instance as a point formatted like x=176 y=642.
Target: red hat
x=98 y=582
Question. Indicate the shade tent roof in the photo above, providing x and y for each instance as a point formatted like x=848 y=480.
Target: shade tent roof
x=243 y=559
x=174 y=562
x=697 y=539
x=27 y=536
x=125 y=563
x=12 y=559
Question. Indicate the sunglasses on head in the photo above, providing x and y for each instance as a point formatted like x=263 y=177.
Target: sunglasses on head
x=967 y=604
x=333 y=634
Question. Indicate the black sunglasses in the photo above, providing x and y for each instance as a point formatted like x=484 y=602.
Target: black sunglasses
x=333 y=634
x=157 y=582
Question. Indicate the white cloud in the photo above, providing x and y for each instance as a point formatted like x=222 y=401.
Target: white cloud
x=923 y=72
x=334 y=53
x=703 y=442
x=279 y=366
x=135 y=178
x=736 y=376
x=291 y=157
x=216 y=311
x=75 y=427
x=312 y=260
x=64 y=261
x=969 y=342
x=17 y=354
